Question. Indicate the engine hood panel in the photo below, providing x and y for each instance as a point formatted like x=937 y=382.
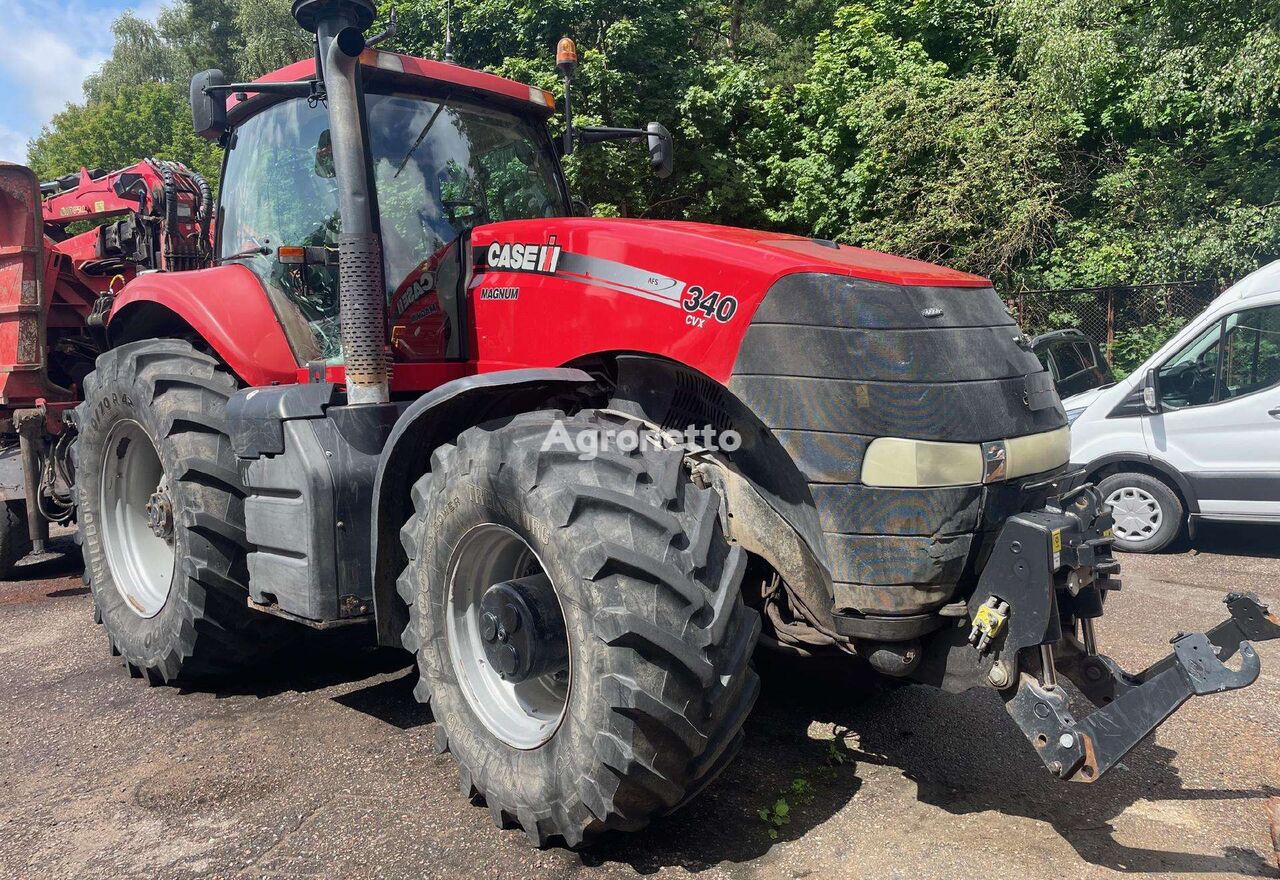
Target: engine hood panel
x=686 y=291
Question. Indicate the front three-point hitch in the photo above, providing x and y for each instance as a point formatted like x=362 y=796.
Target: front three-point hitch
x=1033 y=616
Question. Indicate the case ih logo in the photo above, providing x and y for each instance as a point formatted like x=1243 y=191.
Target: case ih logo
x=524 y=257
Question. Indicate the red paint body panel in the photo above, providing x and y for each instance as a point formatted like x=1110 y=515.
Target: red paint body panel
x=558 y=318
x=395 y=64
x=227 y=306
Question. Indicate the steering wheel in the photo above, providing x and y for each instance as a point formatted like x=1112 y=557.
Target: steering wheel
x=1193 y=381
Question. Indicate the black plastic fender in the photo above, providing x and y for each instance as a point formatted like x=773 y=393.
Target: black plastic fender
x=437 y=417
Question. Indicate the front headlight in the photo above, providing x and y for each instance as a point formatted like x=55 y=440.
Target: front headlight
x=894 y=462
x=1073 y=414
x=900 y=463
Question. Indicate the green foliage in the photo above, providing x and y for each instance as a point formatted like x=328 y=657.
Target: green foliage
x=1135 y=345
x=778 y=813
x=149 y=119
x=896 y=153
x=1048 y=143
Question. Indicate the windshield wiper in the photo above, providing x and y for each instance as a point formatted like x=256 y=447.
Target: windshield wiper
x=422 y=134
x=260 y=251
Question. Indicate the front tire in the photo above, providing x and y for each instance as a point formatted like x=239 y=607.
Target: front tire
x=1147 y=511
x=162 y=514
x=645 y=702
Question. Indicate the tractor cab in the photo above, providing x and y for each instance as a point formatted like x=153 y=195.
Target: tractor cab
x=444 y=157
x=443 y=149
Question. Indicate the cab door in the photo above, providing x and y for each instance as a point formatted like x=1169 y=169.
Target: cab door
x=1220 y=419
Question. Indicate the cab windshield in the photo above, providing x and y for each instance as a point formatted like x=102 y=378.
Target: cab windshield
x=441 y=166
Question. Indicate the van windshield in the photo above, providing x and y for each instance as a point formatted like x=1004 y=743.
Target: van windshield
x=441 y=167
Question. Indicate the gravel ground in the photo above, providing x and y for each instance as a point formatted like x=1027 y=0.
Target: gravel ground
x=323 y=766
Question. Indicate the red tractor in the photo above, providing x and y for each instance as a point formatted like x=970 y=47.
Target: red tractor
x=573 y=465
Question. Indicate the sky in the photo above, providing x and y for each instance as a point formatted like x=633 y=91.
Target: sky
x=47 y=48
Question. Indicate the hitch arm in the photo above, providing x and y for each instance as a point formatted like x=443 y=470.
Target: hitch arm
x=1131 y=707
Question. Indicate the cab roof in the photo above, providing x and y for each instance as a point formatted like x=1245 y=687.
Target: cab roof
x=406 y=67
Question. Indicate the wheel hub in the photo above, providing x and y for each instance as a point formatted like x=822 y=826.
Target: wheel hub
x=136 y=521
x=160 y=513
x=1136 y=513
x=522 y=629
x=506 y=636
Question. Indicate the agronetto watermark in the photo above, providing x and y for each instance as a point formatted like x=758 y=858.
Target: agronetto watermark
x=592 y=443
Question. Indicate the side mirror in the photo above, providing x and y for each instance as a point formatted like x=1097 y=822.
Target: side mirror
x=324 y=156
x=1151 y=392
x=580 y=208
x=208 y=111
x=661 y=150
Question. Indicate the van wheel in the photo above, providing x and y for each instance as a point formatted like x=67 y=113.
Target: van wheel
x=1148 y=513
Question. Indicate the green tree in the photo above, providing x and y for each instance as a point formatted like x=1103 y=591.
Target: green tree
x=136 y=122
x=1048 y=143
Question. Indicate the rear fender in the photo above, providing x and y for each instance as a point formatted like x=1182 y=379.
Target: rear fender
x=433 y=419
x=226 y=307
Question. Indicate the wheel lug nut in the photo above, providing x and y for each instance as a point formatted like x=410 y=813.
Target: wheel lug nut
x=510 y=618
x=488 y=627
x=507 y=660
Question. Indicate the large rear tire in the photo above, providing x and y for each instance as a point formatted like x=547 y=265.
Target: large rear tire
x=647 y=699
x=161 y=512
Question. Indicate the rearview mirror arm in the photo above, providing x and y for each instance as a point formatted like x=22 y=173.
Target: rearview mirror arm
x=299 y=89
x=598 y=134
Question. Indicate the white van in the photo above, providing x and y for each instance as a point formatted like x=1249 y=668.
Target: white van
x=1193 y=433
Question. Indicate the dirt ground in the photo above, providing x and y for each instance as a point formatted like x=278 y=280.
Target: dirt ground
x=323 y=767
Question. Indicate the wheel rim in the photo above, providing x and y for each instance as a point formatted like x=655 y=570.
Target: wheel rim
x=523 y=714
x=1136 y=512
x=137 y=519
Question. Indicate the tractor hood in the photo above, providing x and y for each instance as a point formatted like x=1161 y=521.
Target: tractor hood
x=711 y=280
x=795 y=253
x=651 y=245
x=903 y=393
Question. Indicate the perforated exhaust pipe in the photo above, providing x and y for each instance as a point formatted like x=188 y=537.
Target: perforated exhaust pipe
x=339 y=26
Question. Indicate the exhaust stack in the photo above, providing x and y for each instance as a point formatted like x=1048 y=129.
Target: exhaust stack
x=339 y=26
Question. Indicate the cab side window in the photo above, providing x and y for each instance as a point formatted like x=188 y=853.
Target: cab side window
x=1251 y=355
x=1189 y=378
x=1234 y=357
x=1069 y=360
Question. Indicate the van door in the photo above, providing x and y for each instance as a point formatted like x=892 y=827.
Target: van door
x=1220 y=424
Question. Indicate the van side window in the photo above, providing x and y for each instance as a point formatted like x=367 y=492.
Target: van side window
x=1236 y=356
x=1251 y=355
x=1189 y=378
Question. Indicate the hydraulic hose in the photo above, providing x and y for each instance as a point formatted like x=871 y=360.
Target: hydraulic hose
x=203 y=215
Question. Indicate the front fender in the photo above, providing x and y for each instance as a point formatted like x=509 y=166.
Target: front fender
x=435 y=418
x=227 y=307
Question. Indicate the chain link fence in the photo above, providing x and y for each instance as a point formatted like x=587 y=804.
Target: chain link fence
x=1128 y=322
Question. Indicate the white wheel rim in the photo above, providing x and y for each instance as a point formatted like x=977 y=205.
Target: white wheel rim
x=141 y=559
x=523 y=715
x=1136 y=512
